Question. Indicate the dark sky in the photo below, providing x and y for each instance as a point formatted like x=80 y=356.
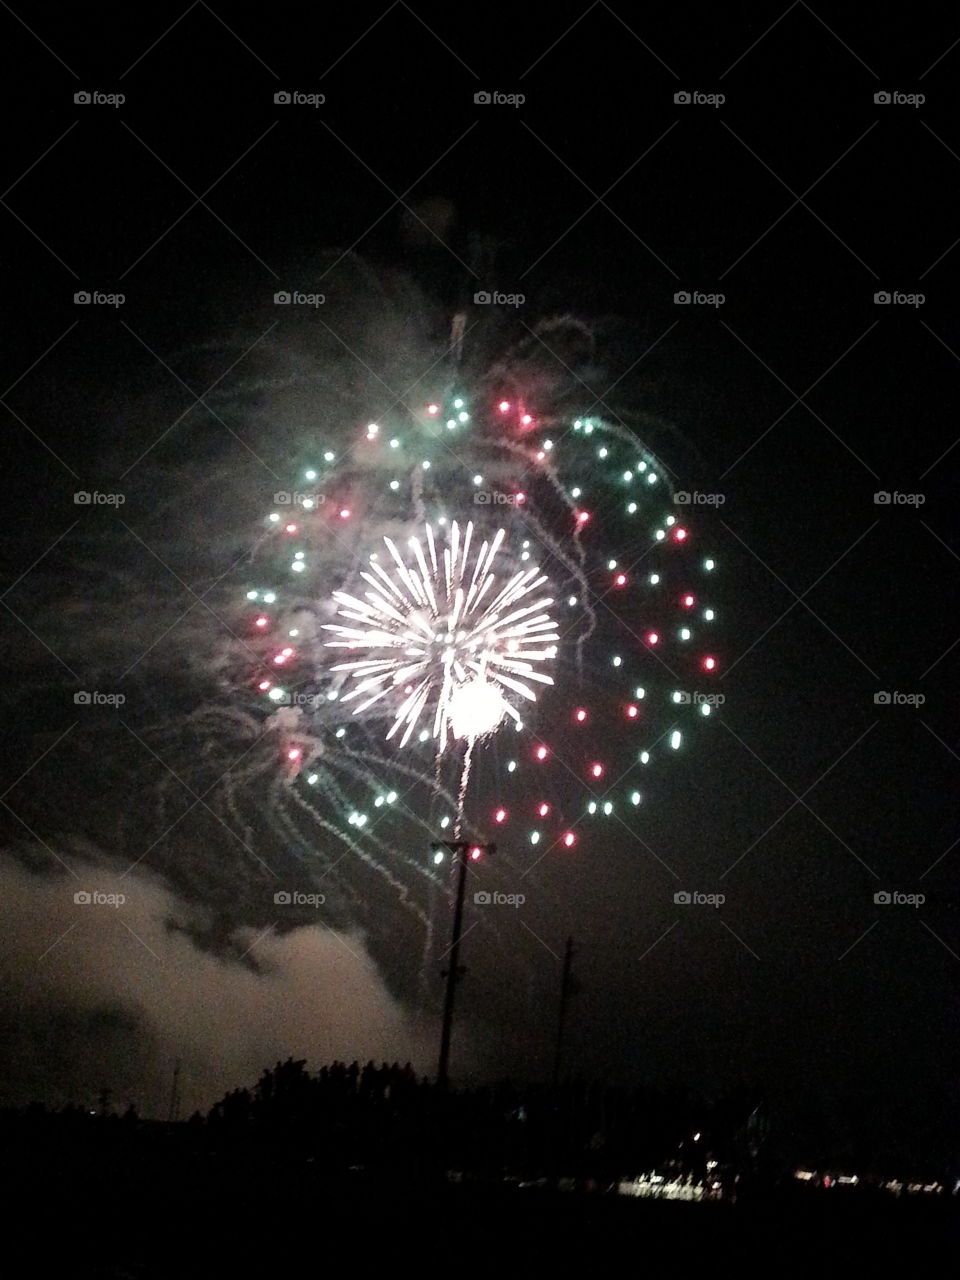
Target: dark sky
x=798 y=198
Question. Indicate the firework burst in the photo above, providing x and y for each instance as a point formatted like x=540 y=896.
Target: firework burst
x=446 y=635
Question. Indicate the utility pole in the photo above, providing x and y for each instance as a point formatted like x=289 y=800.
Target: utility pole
x=565 y=992
x=463 y=851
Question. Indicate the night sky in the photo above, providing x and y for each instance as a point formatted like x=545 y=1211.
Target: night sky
x=798 y=198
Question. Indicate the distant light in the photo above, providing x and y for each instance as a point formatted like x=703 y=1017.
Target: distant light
x=671 y=521
x=652 y=637
x=704 y=708
x=680 y=534
x=504 y=406
x=313 y=779
x=391 y=797
x=569 y=839
x=583 y=517
x=511 y=766
x=444 y=823
x=631 y=508
x=394 y=485
x=628 y=476
x=500 y=815
x=548 y=445
x=298 y=566
x=458 y=404
x=270 y=597
x=635 y=797
x=608 y=808
x=688 y=602
x=299 y=555
x=620 y=580
x=572 y=601
x=654 y=579
x=521 y=498
x=660 y=535
x=640 y=692
x=451 y=424
x=543 y=810
x=276 y=695
x=344 y=513
x=310 y=475
x=575 y=493
x=685 y=633
x=678 y=697
x=526 y=419
x=476 y=852
x=373 y=430
x=534 y=837
x=675 y=739
x=394 y=443
x=652 y=478
x=644 y=757
x=262 y=621
x=542 y=753
x=294 y=753
x=602 y=452
x=425 y=464
x=438 y=857
x=273 y=517
x=328 y=456
x=290 y=528
x=592 y=807
x=252 y=595
x=308 y=504
x=709 y=565
x=596 y=770
x=581 y=715
x=632 y=712
x=617 y=660
x=709 y=615
x=478 y=479
x=463 y=417
x=433 y=410
x=709 y=664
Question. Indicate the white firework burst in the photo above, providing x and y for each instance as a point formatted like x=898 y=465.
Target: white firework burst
x=443 y=635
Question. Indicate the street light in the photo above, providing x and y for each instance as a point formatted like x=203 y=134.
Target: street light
x=464 y=851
